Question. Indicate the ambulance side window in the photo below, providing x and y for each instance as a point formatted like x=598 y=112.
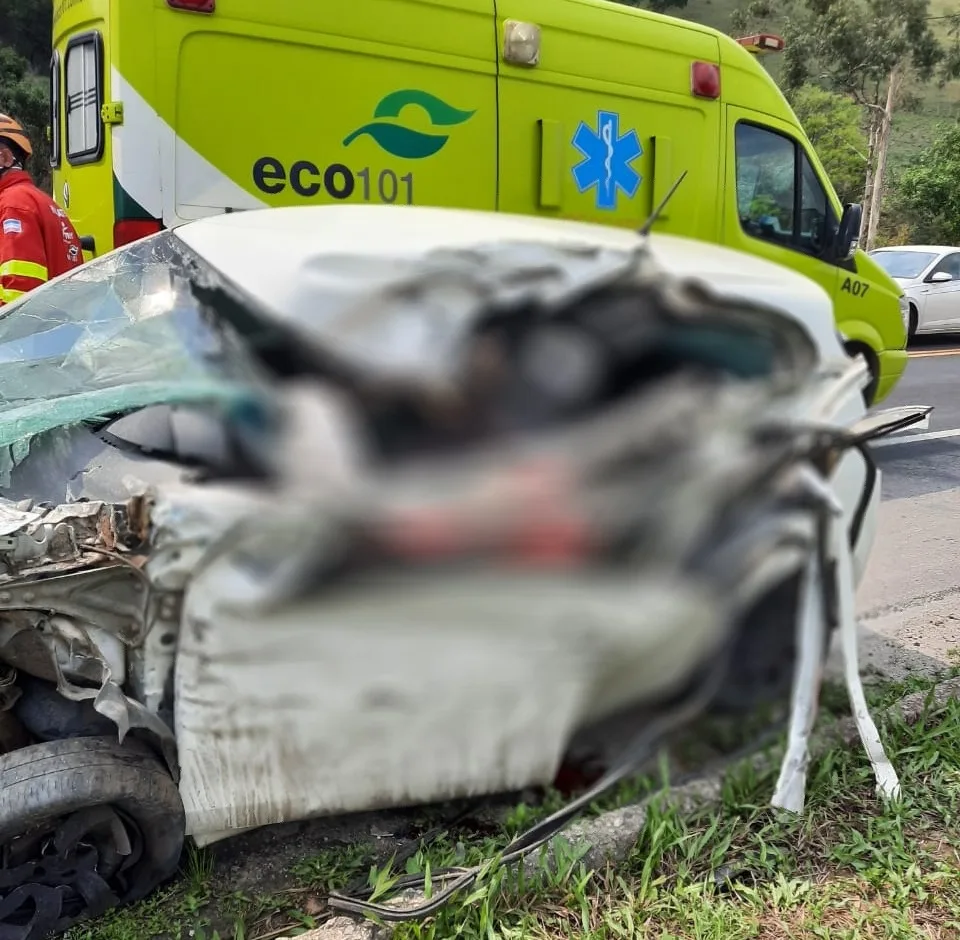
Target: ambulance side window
x=818 y=223
x=779 y=196
x=766 y=177
x=83 y=94
x=55 y=110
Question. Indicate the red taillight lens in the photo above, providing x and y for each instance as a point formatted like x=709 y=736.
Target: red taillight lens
x=705 y=80
x=194 y=6
x=131 y=230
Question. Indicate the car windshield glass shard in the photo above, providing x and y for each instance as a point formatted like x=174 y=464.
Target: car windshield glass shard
x=906 y=264
x=121 y=330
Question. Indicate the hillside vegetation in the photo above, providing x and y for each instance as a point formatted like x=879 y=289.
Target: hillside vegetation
x=897 y=151
x=914 y=126
x=26 y=27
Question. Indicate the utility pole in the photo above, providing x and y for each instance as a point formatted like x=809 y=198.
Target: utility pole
x=882 y=145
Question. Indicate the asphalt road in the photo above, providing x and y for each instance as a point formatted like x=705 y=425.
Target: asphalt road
x=909 y=600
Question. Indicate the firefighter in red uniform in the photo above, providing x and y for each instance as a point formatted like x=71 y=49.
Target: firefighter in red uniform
x=37 y=240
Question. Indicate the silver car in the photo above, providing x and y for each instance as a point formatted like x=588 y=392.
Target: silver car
x=930 y=278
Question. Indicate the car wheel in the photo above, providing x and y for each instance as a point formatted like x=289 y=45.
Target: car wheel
x=914 y=324
x=86 y=824
x=762 y=664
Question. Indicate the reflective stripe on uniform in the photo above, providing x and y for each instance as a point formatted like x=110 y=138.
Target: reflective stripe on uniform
x=24 y=269
x=9 y=296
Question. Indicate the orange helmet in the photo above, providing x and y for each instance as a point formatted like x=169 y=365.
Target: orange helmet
x=13 y=131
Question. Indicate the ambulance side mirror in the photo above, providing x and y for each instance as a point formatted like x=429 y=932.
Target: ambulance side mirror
x=848 y=235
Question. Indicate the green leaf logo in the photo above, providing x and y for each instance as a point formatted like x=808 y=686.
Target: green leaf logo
x=400 y=141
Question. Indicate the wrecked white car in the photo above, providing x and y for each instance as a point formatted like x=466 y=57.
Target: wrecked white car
x=309 y=511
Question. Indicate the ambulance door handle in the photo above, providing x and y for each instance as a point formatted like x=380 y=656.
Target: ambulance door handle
x=662 y=172
x=551 y=164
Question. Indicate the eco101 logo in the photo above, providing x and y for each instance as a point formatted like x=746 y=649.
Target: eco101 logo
x=337 y=180
x=389 y=185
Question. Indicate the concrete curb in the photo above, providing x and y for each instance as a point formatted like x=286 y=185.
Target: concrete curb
x=612 y=836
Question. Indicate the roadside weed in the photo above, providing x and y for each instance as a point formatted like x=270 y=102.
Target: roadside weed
x=848 y=868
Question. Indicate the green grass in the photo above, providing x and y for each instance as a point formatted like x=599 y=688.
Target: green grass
x=848 y=867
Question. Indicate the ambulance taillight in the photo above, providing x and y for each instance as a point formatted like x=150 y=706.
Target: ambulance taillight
x=705 y=79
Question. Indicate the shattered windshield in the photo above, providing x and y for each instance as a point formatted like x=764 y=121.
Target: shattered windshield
x=122 y=332
x=128 y=318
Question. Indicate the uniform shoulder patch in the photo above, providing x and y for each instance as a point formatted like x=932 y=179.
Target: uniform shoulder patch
x=12 y=227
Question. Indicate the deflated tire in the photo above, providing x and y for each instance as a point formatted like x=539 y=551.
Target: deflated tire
x=85 y=825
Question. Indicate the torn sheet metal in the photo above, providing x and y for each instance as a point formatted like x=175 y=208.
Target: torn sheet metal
x=75 y=599
x=887 y=781
x=295 y=700
x=408 y=317
x=60 y=651
x=357 y=705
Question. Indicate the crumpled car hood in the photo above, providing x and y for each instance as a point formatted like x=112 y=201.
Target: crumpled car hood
x=375 y=626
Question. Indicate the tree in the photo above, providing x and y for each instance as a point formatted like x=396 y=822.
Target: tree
x=927 y=194
x=27 y=98
x=863 y=49
x=27 y=26
x=834 y=125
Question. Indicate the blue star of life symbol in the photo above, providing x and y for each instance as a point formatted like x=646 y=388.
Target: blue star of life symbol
x=606 y=159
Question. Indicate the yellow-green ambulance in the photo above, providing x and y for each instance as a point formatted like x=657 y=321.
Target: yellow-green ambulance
x=168 y=110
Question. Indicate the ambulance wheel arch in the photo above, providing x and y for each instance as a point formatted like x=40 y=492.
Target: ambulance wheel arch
x=860 y=338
